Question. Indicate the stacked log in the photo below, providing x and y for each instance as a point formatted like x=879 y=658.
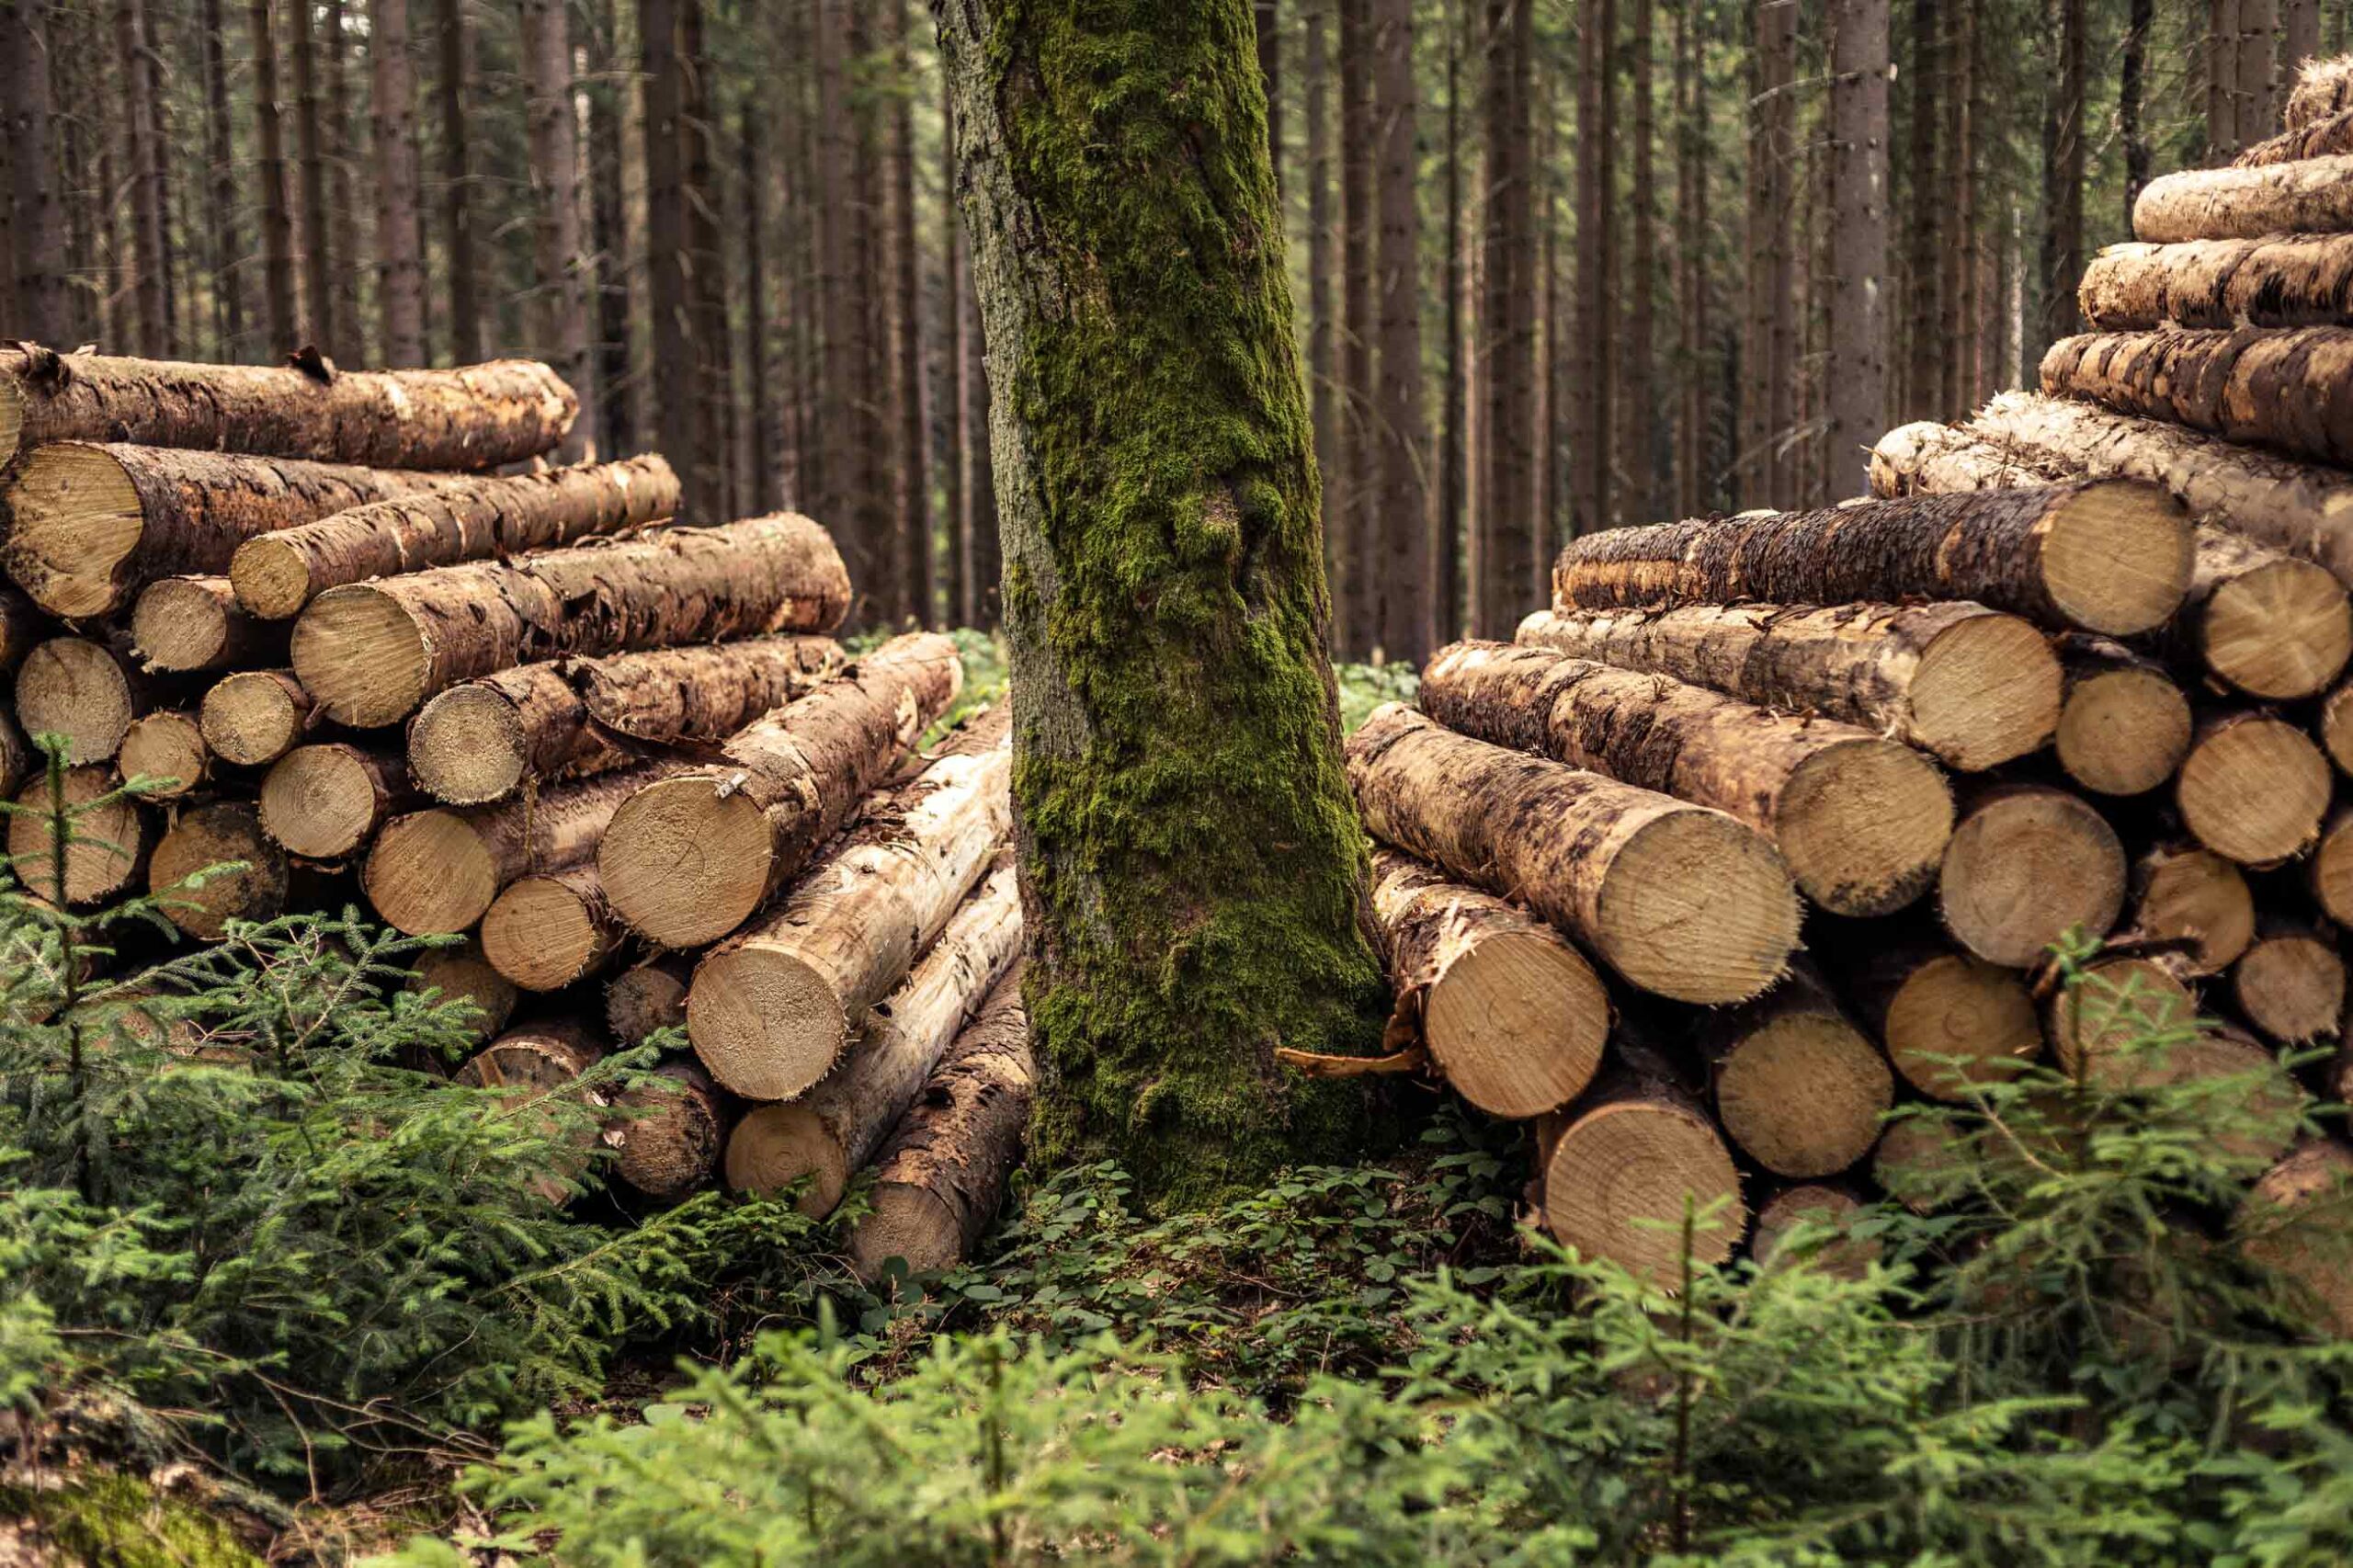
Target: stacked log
x=319 y=620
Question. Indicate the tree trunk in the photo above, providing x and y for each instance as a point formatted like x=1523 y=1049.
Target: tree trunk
x=943 y=1172
x=1957 y=257
x=371 y=652
x=325 y=803
x=254 y=717
x=2221 y=52
x=196 y=623
x=764 y=472
x=319 y=235
x=94 y=524
x=873 y=518
x=773 y=1007
x=1606 y=868
x=710 y=479
x=1929 y=76
x=2260 y=387
x=344 y=155
x=478 y=741
x=456 y=90
x=1453 y=456
x=1693 y=349
x=692 y=858
x=276 y=217
x=2026 y=865
x=911 y=464
x=988 y=561
x=2258 y=60
x=2140 y=18
x=2277 y=280
x=277 y=573
x=608 y=239
x=676 y=418
x=1356 y=621
x=150 y=210
x=647 y=999
x=1857 y=372
x=964 y=590
x=1951 y=1022
x=1779 y=22
x=1092 y=342
x=1511 y=563
x=1861 y=820
x=1636 y=422
x=1973 y=688
x=2253 y=788
x=392 y=104
x=1592 y=422
x=2306 y=197
x=2189 y=896
x=564 y=269
x=36 y=219
x=1266 y=23
x=220 y=189
x=835 y=492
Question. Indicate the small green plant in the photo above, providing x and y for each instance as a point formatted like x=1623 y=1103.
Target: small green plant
x=1364 y=687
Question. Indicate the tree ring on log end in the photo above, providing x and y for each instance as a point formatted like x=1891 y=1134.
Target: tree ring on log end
x=430 y=873
x=764 y=1023
x=542 y=933
x=318 y=801
x=2024 y=870
x=776 y=1146
x=271 y=577
x=2124 y=731
x=1862 y=826
x=1803 y=1093
x=2117 y=558
x=467 y=748
x=1617 y=1180
x=686 y=862
x=1698 y=907
x=1958 y=1022
x=2255 y=791
x=1986 y=691
x=75 y=687
x=209 y=837
x=2283 y=631
x=76 y=517
x=361 y=656
x=1517 y=1023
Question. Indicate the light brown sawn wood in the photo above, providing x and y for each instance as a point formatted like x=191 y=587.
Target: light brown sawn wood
x=201 y=900
x=2276 y=280
x=459 y=973
x=666 y=1137
x=255 y=717
x=2290 y=984
x=2253 y=788
x=196 y=623
x=83 y=690
x=2027 y=865
x=550 y=930
x=2183 y=895
x=2125 y=725
x=2297 y=1221
x=1619 y=1169
x=325 y=802
x=106 y=848
x=166 y=748
x=1798 y=1086
x=1950 y=1020
x=647 y=998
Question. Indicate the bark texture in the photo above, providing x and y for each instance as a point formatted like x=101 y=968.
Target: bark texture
x=1971 y=687
x=371 y=652
x=2323 y=87
x=2108 y=557
x=278 y=572
x=2265 y=387
x=2276 y=280
x=2328 y=137
x=2309 y=196
x=1193 y=882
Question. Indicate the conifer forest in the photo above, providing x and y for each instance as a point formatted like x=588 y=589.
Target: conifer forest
x=1500 y=783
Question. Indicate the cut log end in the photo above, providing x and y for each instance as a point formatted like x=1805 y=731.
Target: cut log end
x=253 y=717
x=103 y=843
x=2332 y=871
x=77 y=517
x=2024 y=867
x=2280 y=631
x=2290 y=986
x=909 y=1223
x=1516 y=1022
x=1831 y=1212
x=2196 y=897
x=467 y=746
x=168 y=750
x=430 y=872
x=1803 y=1093
x=1863 y=826
x=461 y=974
x=2337 y=727
x=2124 y=731
x=187 y=623
x=777 y=1145
x=2253 y=789
x=1923 y=1162
x=765 y=1022
x=644 y=1000
x=216 y=835
x=2117 y=557
x=2119 y=1001
x=2298 y=1223
x=360 y=656
x=77 y=688
x=668 y=1145
x=1986 y=692
x=272 y=578
x=319 y=801
x=1699 y=908
x=1956 y=1023
x=545 y=932
x=684 y=862
x=1618 y=1180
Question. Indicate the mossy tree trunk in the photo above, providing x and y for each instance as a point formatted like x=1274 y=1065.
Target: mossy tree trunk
x=1193 y=874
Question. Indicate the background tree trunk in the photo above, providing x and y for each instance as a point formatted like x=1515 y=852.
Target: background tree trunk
x=1155 y=988
x=1452 y=458
x=36 y=223
x=1858 y=376
x=564 y=270
x=1776 y=46
x=456 y=89
x=1322 y=324
x=1356 y=620
x=1926 y=77
x=1510 y=561
x=670 y=299
x=1636 y=425
x=319 y=238
x=141 y=88
x=400 y=274
x=277 y=217
x=914 y=471
x=1404 y=553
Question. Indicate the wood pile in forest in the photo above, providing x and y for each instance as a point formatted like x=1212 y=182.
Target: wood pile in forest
x=2080 y=663
x=353 y=632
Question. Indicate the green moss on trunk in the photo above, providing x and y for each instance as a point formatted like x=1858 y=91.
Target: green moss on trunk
x=1193 y=866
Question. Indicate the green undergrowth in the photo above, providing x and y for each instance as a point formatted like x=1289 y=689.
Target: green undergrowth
x=1364 y=687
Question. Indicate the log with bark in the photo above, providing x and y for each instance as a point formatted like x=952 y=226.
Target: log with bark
x=692 y=858
x=439 y=870
x=106 y=845
x=940 y=1179
x=647 y=998
x=255 y=717
x=2125 y=725
x=93 y=523
x=1951 y=1021
x=459 y=975
x=1861 y=820
x=185 y=877
x=2027 y=865
x=829 y=1133
x=2195 y=900
x=1680 y=900
x=550 y=930
x=2256 y=1106
x=1513 y=1018
x=2330 y=135
x=1928 y=459
x=325 y=802
x=2323 y=87
x=478 y=740
x=1620 y=1170
x=1971 y=686
x=475 y=416
x=771 y=1009
x=2290 y=984
x=2309 y=196
x=371 y=652
x=1798 y=1087
x=2253 y=788
x=2295 y=507
x=2264 y=387
x=196 y=623
x=278 y=572
x=2297 y=1223
x=2107 y=556
x=166 y=748
x=2276 y=280
x=666 y=1137
x=84 y=689
x=1923 y=1162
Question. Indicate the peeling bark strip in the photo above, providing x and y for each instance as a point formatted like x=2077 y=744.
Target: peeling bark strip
x=2291 y=505
x=371 y=652
x=831 y=1132
x=477 y=416
x=1680 y=900
x=1973 y=686
x=2323 y=87
x=476 y=741
x=2277 y=280
x=2312 y=196
x=938 y=1180
x=94 y=524
x=2271 y=388
x=2106 y=556
x=2326 y=137
x=1514 y=1017
x=771 y=1009
x=691 y=858
x=1861 y=820
x=279 y=572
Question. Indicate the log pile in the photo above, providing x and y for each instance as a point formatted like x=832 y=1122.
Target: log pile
x=351 y=630
x=2079 y=665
